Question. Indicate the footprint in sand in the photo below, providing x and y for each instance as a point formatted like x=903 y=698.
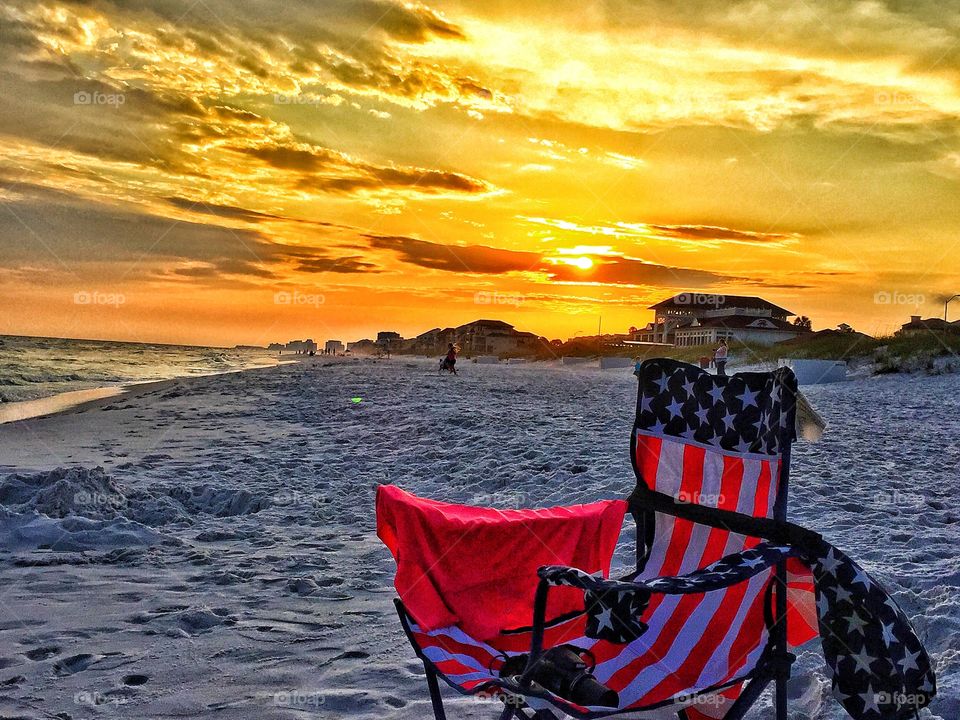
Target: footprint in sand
x=78 y=663
x=167 y=609
x=135 y=680
x=75 y=663
x=351 y=655
x=42 y=653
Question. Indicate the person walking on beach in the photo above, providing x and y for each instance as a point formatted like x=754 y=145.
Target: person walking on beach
x=449 y=363
x=720 y=357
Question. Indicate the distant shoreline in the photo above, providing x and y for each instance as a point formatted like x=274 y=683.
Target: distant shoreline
x=119 y=342
x=76 y=400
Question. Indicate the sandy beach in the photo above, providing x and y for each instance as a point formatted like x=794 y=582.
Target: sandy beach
x=209 y=549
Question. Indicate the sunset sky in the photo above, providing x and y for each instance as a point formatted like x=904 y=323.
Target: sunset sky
x=229 y=171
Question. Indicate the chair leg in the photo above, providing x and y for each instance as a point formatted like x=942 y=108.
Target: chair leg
x=782 y=697
x=784 y=658
x=435 y=698
x=748 y=696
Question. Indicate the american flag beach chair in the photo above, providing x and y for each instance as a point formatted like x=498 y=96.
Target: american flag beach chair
x=725 y=588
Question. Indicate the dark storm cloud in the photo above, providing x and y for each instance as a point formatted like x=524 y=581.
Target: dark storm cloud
x=348 y=265
x=376 y=178
x=239 y=213
x=286 y=158
x=711 y=232
x=227 y=211
x=481 y=259
x=344 y=175
x=629 y=271
x=224 y=267
x=404 y=177
x=456 y=258
x=58 y=229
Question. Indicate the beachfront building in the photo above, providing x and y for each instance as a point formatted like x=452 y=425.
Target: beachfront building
x=301 y=347
x=492 y=337
x=389 y=341
x=690 y=319
x=333 y=347
x=362 y=347
x=922 y=326
x=480 y=337
x=660 y=331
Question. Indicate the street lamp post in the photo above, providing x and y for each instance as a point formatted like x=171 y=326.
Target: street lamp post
x=947 y=302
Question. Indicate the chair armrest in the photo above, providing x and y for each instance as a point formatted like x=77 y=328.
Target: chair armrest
x=613 y=607
x=726 y=571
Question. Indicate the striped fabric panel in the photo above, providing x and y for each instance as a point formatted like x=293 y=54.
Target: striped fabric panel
x=725 y=637
x=691 y=472
x=802 y=622
x=651 y=670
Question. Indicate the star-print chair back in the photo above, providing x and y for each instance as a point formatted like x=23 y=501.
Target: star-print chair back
x=712 y=441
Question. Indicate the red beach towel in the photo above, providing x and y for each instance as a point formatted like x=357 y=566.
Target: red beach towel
x=477 y=567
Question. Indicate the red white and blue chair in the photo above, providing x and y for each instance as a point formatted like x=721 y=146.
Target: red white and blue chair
x=724 y=587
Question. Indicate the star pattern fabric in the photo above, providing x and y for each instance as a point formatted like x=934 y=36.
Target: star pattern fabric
x=615 y=616
x=742 y=413
x=875 y=660
x=614 y=607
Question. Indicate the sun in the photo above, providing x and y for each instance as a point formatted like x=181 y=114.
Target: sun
x=584 y=263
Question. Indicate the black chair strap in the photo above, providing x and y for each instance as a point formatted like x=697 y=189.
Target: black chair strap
x=642 y=498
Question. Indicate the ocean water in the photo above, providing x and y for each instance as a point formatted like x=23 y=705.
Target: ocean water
x=32 y=367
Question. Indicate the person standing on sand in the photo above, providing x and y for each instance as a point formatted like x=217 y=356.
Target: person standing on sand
x=720 y=357
x=450 y=361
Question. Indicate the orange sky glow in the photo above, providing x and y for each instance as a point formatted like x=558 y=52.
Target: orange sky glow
x=209 y=173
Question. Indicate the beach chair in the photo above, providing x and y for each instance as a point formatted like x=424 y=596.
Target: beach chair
x=725 y=588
